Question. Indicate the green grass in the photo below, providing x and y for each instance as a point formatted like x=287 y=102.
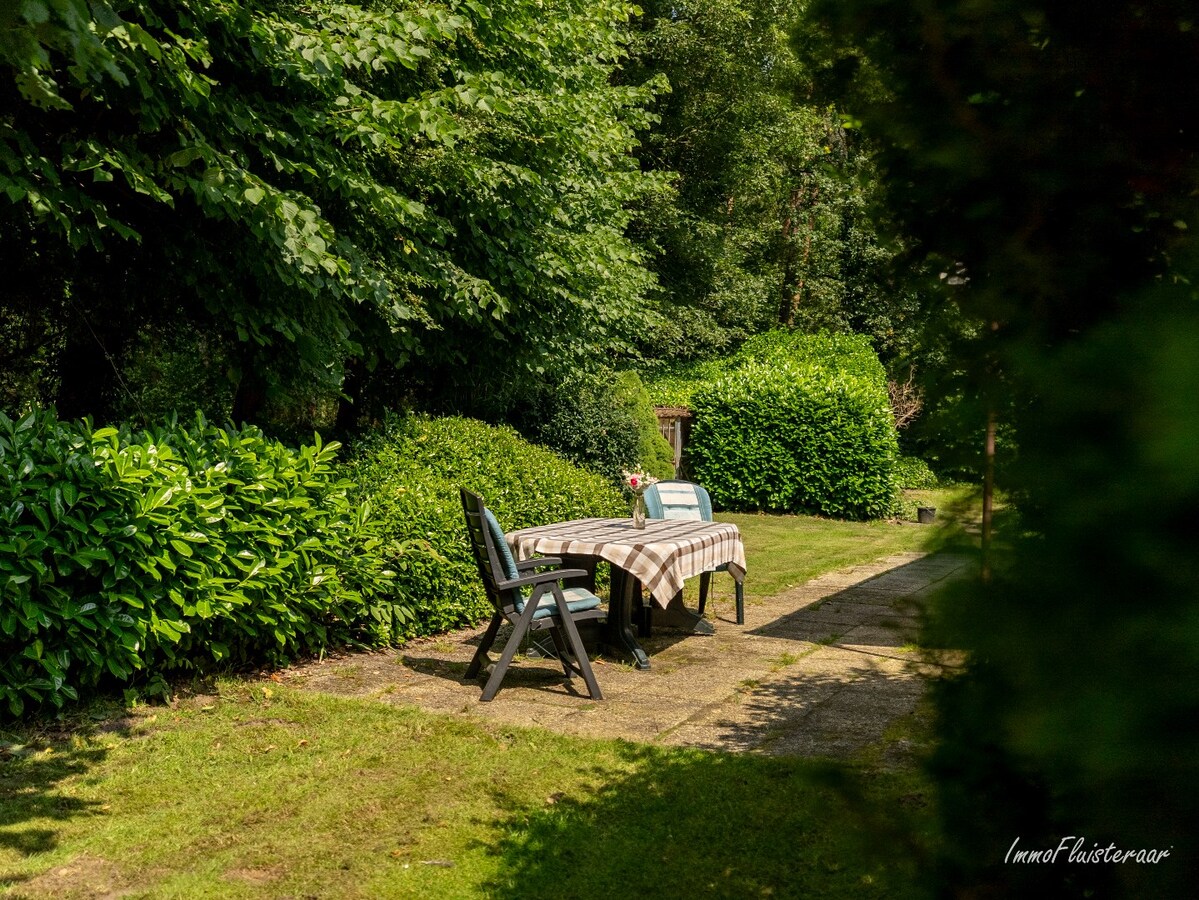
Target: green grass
x=785 y=551
x=270 y=792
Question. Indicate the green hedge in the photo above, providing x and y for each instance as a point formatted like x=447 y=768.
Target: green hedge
x=603 y=421
x=128 y=555
x=796 y=423
x=913 y=473
x=410 y=472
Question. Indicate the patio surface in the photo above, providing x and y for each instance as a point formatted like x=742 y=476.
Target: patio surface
x=820 y=670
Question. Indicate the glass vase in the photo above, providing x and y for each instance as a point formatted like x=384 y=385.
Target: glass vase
x=639 y=511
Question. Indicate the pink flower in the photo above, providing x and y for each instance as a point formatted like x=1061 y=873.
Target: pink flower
x=637 y=481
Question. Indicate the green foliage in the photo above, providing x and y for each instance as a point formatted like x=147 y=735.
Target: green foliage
x=654 y=454
x=913 y=473
x=125 y=556
x=769 y=220
x=167 y=370
x=797 y=422
x=325 y=181
x=1045 y=151
x=675 y=386
x=603 y=421
x=410 y=472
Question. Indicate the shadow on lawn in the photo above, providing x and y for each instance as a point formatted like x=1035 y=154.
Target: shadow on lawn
x=692 y=824
x=836 y=715
x=31 y=770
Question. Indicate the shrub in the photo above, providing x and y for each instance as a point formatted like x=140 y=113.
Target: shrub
x=177 y=548
x=677 y=385
x=913 y=473
x=849 y=354
x=410 y=472
x=168 y=370
x=797 y=422
x=604 y=421
x=654 y=453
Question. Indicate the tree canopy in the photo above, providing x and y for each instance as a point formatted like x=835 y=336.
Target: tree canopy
x=319 y=182
x=770 y=219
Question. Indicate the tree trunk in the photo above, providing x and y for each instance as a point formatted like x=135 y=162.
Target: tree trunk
x=793 y=285
x=786 y=303
x=349 y=408
x=988 y=495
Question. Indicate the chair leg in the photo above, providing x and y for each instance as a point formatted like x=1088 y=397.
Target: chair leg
x=563 y=653
x=576 y=644
x=519 y=629
x=740 y=601
x=705 y=579
x=484 y=645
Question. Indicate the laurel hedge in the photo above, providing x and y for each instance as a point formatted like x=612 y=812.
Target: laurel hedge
x=797 y=423
x=124 y=556
x=410 y=470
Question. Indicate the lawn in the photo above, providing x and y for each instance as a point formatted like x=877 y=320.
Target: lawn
x=785 y=551
x=253 y=790
x=262 y=791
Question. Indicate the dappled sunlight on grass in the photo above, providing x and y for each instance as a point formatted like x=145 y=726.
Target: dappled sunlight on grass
x=686 y=823
x=266 y=792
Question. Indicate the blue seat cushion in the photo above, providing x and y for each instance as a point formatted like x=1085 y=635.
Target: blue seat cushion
x=501 y=546
x=577 y=600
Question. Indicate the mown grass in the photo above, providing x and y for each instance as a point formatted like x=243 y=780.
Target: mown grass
x=785 y=551
x=245 y=795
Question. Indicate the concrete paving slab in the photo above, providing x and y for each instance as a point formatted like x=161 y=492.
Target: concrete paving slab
x=820 y=669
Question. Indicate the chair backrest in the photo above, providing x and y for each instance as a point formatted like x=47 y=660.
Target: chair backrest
x=678 y=500
x=492 y=556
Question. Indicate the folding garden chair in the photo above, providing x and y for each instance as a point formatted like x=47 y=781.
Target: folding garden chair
x=531 y=600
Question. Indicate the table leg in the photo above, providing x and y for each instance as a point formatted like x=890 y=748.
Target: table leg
x=676 y=615
x=587 y=563
x=618 y=635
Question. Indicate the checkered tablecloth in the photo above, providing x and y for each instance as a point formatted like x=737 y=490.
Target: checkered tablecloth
x=661 y=556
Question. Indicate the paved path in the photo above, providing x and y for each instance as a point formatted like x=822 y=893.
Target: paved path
x=822 y=669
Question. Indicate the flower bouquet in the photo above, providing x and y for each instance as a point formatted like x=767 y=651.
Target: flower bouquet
x=637 y=482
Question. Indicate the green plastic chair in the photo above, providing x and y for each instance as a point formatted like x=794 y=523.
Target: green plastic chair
x=689 y=501
x=530 y=600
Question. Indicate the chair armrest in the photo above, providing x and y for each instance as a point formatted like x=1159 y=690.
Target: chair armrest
x=537 y=562
x=541 y=578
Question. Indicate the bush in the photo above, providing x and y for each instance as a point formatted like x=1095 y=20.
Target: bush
x=173 y=549
x=166 y=370
x=410 y=472
x=798 y=422
x=913 y=473
x=605 y=422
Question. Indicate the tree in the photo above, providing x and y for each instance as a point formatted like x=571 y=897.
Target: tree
x=319 y=182
x=1042 y=154
x=769 y=221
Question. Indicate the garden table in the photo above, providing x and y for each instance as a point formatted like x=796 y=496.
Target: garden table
x=659 y=557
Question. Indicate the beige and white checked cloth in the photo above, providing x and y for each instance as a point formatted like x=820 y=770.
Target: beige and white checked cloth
x=661 y=556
